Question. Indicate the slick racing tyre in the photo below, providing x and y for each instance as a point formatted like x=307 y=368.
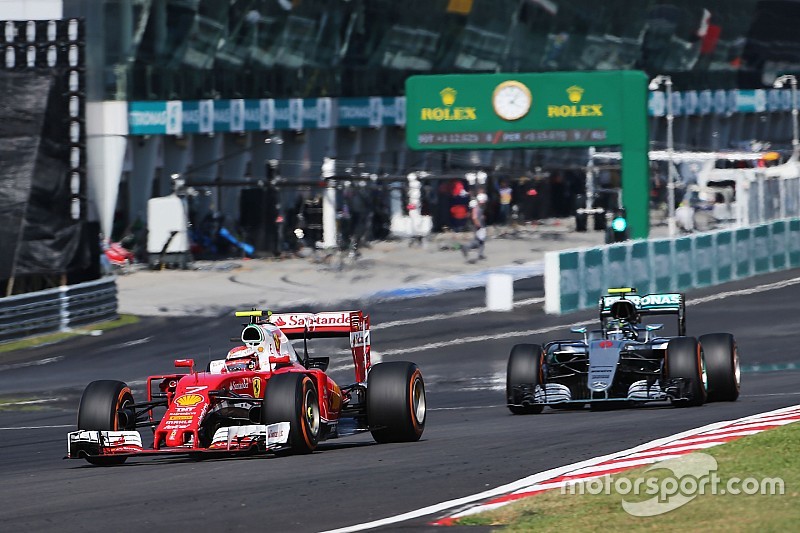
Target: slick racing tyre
x=396 y=406
x=523 y=375
x=293 y=398
x=721 y=358
x=104 y=407
x=684 y=361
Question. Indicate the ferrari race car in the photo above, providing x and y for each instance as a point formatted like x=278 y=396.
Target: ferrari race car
x=262 y=397
x=625 y=361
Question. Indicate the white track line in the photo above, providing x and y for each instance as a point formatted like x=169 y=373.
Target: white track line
x=40 y=362
x=39 y=427
x=445 y=316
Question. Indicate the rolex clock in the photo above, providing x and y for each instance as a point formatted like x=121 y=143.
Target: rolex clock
x=511 y=100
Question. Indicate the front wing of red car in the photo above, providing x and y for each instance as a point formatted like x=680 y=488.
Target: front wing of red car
x=232 y=439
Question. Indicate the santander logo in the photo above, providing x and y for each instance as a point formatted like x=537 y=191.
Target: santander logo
x=313 y=320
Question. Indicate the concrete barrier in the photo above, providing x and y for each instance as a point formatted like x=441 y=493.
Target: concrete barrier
x=575 y=279
x=499 y=292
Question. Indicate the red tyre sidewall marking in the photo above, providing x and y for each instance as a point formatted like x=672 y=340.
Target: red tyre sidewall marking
x=304 y=414
x=118 y=406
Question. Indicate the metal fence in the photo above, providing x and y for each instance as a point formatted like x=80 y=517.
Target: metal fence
x=57 y=309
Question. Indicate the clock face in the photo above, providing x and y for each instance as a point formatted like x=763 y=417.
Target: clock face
x=511 y=100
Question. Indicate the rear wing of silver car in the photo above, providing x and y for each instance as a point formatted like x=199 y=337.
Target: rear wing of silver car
x=668 y=303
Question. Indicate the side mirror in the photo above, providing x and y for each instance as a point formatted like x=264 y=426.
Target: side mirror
x=185 y=363
x=279 y=359
x=582 y=330
x=650 y=328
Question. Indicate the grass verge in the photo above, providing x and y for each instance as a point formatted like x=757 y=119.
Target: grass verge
x=51 y=338
x=771 y=454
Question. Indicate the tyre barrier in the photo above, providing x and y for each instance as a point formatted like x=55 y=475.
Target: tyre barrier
x=57 y=309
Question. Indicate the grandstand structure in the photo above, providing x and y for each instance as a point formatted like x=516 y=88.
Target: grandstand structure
x=229 y=94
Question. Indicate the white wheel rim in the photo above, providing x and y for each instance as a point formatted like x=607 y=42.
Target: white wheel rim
x=418 y=400
x=703 y=373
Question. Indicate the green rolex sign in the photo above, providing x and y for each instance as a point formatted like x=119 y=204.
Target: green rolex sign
x=518 y=110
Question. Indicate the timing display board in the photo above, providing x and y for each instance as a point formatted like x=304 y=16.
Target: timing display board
x=517 y=110
x=532 y=110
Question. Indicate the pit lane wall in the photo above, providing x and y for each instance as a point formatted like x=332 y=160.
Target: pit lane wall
x=575 y=279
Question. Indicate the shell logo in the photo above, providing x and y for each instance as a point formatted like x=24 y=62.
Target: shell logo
x=189 y=400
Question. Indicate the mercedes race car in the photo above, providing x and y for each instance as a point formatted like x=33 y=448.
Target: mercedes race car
x=263 y=396
x=625 y=361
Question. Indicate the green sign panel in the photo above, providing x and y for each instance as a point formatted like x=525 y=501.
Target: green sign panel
x=514 y=110
x=530 y=110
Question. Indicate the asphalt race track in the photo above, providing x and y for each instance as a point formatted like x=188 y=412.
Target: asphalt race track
x=471 y=442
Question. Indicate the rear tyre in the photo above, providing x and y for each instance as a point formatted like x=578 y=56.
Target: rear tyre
x=523 y=375
x=721 y=358
x=396 y=405
x=103 y=408
x=684 y=360
x=293 y=398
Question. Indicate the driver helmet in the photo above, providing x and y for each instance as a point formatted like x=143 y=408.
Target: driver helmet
x=242 y=358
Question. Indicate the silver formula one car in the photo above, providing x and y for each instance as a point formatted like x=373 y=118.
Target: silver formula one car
x=625 y=361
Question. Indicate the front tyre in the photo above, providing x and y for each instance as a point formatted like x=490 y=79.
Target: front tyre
x=523 y=376
x=293 y=398
x=396 y=405
x=721 y=358
x=684 y=362
x=104 y=407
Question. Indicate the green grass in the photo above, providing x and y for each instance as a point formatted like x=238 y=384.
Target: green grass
x=51 y=338
x=771 y=454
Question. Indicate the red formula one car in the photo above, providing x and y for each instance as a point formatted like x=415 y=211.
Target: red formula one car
x=263 y=396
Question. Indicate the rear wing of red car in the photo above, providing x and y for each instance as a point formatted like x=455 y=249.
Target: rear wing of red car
x=353 y=324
